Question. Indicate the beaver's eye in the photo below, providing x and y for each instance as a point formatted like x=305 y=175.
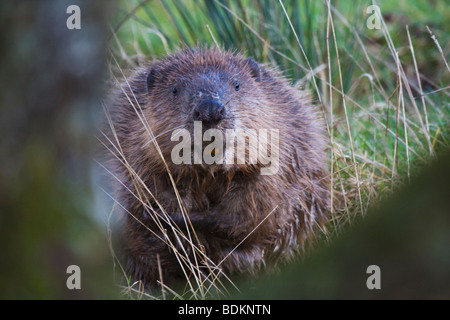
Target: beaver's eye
x=236 y=86
x=174 y=91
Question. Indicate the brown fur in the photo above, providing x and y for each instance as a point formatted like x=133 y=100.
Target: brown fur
x=225 y=204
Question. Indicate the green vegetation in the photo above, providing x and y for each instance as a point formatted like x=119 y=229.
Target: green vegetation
x=384 y=92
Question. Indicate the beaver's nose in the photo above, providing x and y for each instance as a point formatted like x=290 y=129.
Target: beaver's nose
x=209 y=111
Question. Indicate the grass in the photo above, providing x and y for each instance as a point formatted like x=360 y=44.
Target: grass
x=384 y=92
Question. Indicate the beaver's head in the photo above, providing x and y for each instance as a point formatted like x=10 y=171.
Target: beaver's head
x=207 y=94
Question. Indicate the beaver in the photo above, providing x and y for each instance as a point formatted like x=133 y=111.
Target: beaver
x=185 y=217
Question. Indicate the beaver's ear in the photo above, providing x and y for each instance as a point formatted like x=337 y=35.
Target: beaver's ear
x=254 y=69
x=151 y=79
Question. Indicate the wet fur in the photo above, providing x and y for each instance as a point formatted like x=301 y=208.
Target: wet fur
x=224 y=204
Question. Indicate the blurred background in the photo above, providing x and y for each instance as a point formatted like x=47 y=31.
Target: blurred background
x=384 y=94
x=51 y=82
